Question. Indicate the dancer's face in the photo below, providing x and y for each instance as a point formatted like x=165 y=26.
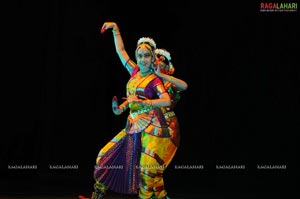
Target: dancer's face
x=160 y=62
x=144 y=58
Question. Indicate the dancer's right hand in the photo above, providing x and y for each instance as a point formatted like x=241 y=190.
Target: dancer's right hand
x=108 y=25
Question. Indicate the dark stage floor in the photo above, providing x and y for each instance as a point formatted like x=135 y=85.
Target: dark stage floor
x=71 y=189
x=225 y=195
x=172 y=195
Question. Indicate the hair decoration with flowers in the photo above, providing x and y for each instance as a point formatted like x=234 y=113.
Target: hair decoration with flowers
x=147 y=40
x=164 y=53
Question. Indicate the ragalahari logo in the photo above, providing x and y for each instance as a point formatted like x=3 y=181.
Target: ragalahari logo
x=278 y=7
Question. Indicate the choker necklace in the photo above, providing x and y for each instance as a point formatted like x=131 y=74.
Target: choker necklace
x=145 y=73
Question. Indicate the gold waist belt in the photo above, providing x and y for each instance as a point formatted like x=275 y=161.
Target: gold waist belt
x=169 y=114
x=143 y=110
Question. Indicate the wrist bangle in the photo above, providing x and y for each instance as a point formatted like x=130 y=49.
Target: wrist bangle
x=149 y=103
x=171 y=78
x=122 y=109
x=116 y=32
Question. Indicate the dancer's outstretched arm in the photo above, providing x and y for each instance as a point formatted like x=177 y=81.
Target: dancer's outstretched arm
x=119 y=45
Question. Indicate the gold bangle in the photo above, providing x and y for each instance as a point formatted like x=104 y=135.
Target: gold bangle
x=122 y=107
x=171 y=78
x=116 y=32
x=148 y=102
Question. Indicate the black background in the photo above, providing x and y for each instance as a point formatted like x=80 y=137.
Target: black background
x=241 y=106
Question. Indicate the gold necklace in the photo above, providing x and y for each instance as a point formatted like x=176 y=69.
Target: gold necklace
x=145 y=73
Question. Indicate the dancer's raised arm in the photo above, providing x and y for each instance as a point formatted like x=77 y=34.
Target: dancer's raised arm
x=119 y=45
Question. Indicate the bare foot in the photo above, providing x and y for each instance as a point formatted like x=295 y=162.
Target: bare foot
x=82 y=197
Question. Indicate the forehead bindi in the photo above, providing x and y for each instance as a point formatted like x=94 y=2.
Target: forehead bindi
x=143 y=49
x=144 y=52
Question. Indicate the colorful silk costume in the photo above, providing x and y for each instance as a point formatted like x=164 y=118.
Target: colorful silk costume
x=145 y=130
x=159 y=155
